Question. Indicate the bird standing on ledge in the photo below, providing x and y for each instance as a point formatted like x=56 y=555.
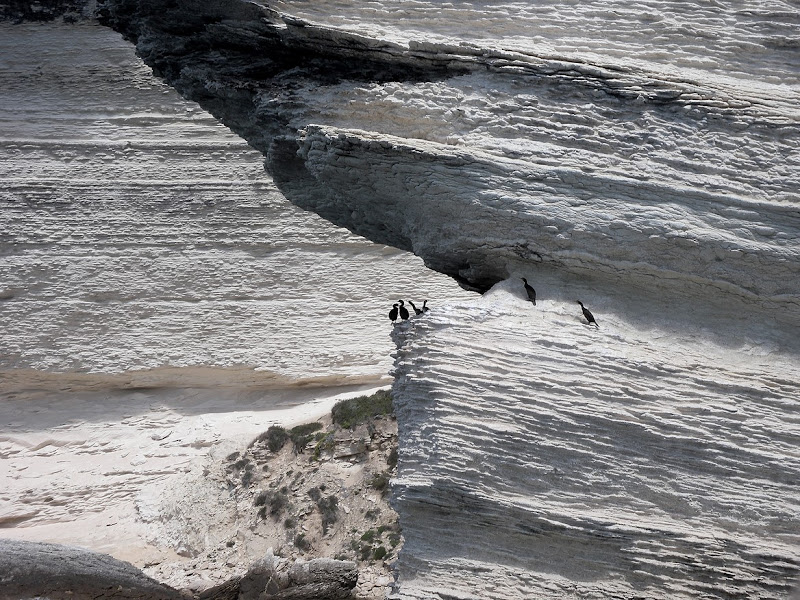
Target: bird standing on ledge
x=530 y=291
x=589 y=316
x=393 y=313
x=403 y=311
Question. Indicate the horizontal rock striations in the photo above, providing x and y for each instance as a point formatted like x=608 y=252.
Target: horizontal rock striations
x=479 y=156
x=643 y=158
x=543 y=458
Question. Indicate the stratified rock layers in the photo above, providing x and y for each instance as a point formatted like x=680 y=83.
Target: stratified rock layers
x=542 y=458
x=644 y=158
x=634 y=169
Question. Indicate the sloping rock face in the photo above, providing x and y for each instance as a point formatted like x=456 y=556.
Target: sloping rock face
x=39 y=570
x=543 y=458
x=479 y=153
x=644 y=158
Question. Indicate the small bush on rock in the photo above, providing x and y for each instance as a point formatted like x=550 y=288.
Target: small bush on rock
x=275 y=437
x=349 y=413
x=302 y=435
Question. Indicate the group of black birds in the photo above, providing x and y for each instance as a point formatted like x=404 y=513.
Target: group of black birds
x=586 y=312
x=399 y=310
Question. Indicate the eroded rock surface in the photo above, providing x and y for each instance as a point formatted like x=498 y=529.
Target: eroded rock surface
x=279 y=579
x=641 y=157
x=483 y=153
x=40 y=570
x=643 y=459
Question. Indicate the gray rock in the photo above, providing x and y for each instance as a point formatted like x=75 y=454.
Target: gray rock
x=272 y=577
x=53 y=571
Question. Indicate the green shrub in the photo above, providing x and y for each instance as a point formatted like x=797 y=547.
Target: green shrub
x=303 y=434
x=301 y=542
x=349 y=413
x=329 y=508
x=274 y=501
x=365 y=551
x=379 y=553
x=275 y=437
x=380 y=482
x=315 y=494
x=368 y=535
x=247 y=475
x=325 y=443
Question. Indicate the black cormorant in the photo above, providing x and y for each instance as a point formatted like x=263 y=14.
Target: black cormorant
x=530 y=291
x=417 y=311
x=403 y=311
x=589 y=316
x=393 y=313
x=425 y=308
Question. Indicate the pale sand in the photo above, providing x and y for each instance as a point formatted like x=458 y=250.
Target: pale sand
x=80 y=455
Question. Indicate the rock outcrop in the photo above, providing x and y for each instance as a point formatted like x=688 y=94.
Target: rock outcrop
x=56 y=572
x=555 y=460
x=272 y=577
x=646 y=156
x=480 y=157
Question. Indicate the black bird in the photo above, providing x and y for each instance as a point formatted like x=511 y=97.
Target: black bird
x=425 y=308
x=417 y=311
x=530 y=291
x=403 y=311
x=589 y=316
x=393 y=313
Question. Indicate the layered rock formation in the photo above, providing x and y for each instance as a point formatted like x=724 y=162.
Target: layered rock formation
x=643 y=158
x=614 y=158
x=643 y=459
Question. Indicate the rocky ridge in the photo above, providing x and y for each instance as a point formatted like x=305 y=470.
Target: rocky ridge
x=567 y=156
x=311 y=491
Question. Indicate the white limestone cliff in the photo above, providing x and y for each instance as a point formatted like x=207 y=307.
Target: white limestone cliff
x=644 y=158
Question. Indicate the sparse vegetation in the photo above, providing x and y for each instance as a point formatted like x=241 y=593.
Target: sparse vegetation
x=242 y=468
x=328 y=507
x=272 y=501
x=349 y=413
x=372 y=546
x=302 y=435
x=278 y=492
x=325 y=443
x=275 y=437
x=380 y=482
x=368 y=535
